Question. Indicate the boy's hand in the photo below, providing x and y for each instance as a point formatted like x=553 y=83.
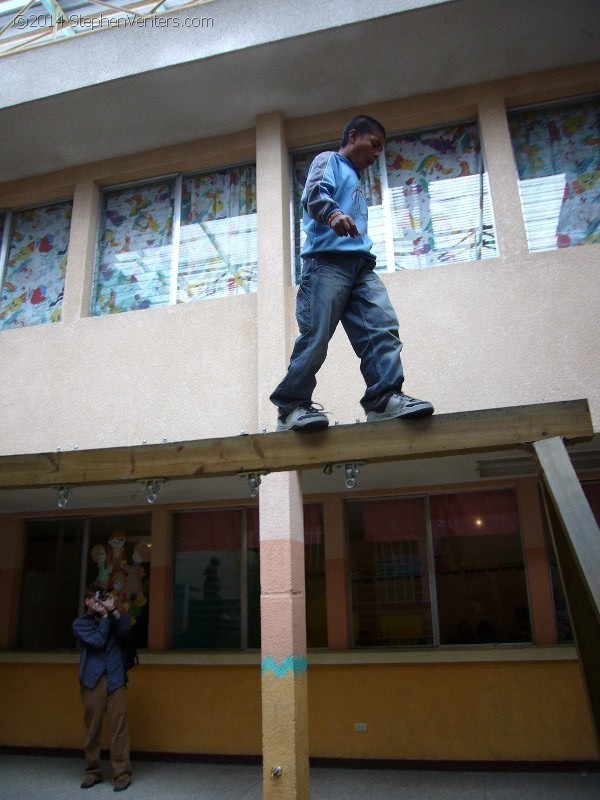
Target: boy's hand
x=343 y=225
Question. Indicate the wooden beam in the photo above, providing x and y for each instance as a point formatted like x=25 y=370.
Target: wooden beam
x=576 y=538
x=444 y=434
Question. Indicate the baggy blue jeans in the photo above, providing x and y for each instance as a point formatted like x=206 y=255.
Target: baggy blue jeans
x=342 y=288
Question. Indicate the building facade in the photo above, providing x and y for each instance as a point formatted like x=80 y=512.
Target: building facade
x=149 y=205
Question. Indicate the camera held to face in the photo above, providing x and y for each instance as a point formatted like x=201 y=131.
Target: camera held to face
x=101 y=595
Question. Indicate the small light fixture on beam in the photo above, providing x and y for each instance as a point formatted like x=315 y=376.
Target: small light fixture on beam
x=64 y=492
x=351 y=470
x=152 y=487
x=254 y=479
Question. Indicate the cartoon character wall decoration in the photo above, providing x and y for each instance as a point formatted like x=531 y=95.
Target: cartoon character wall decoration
x=124 y=571
x=98 y=554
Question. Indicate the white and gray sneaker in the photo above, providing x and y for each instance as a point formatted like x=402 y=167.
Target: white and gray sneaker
x=303 y=417
x=399 y=404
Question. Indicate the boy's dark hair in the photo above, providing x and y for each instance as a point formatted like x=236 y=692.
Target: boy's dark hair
x=362 y=124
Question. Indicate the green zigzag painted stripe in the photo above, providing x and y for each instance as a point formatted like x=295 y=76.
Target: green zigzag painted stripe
x=295 y=664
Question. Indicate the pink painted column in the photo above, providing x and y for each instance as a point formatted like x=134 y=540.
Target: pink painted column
x=283 y=647
x=283 y=615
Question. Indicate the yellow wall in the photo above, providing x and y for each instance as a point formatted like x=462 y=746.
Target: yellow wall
x=478 y=711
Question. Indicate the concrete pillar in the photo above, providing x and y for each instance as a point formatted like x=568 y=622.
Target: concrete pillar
x=283 y=632
x=275 y=291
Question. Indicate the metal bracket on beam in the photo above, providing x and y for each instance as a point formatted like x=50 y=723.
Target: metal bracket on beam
x=351 y=471
x=64 y=492
x=253 y=479
x=152 y=487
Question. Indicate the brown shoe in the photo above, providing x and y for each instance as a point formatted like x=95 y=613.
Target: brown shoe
x=90 y=780
x=122 y=783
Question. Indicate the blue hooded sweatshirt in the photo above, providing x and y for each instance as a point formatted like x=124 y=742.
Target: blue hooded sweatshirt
x=333 y=184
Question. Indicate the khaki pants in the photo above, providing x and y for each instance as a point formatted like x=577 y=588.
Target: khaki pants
x=96 y=702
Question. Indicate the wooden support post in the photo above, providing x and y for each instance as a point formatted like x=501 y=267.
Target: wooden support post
x=12 y=553
x=283 y=639
x=161 y=585
x=336 y=575
x=576 y=539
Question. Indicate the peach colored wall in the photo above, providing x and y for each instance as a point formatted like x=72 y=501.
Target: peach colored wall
x=469 y=712
x=495 y=711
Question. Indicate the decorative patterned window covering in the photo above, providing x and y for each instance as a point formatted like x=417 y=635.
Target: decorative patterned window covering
x=218 y=250
x=557 y=151
x=144 y=240
x=394 y=520
x=34 y=276
x=134 y=251
x=439 y=197
x=474 y=514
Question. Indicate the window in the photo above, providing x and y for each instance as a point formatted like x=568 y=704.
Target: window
x=63 y=556
x=176 y=240
x=33 y=261
x=441 y=570
x=430 y=205
x=558 y=164
x=216 y=597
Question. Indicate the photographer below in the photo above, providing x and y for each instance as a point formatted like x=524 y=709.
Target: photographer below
x=103 y=681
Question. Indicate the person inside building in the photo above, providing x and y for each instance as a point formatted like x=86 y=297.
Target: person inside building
x=103 y=682
x=339 y=284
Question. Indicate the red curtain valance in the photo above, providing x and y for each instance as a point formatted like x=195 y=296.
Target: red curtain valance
x=394 y=520
x=474 y=514
x=221 y=529
x=466 y=514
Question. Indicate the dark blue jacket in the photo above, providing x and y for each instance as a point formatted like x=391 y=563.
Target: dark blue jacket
x=101 y=650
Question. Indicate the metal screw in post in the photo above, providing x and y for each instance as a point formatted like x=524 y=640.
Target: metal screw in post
x=276 y=772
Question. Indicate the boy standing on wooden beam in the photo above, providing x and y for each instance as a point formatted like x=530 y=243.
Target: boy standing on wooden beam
x=339 y=284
